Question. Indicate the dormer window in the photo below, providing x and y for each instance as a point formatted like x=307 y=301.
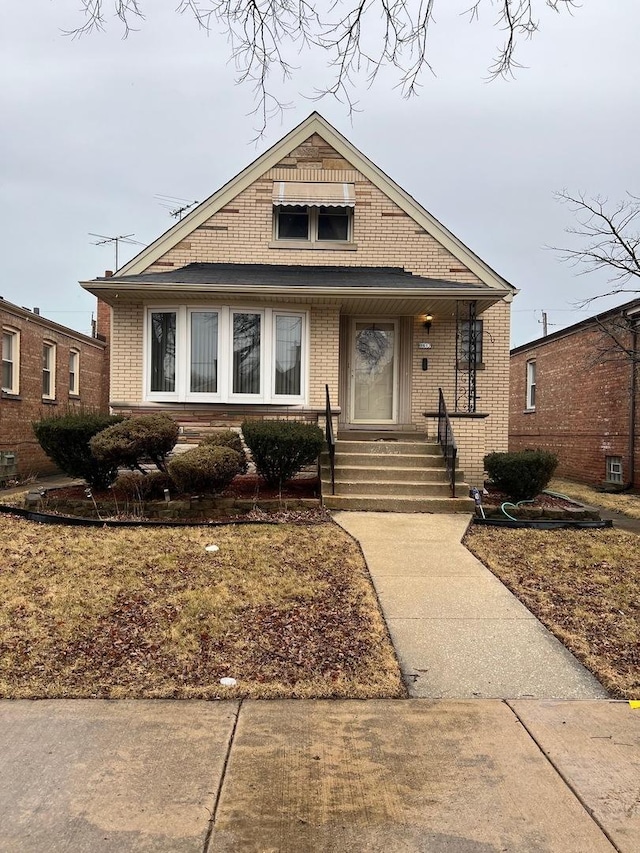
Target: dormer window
x=313 y=212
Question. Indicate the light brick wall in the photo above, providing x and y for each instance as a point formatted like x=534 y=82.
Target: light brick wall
x=384 y=235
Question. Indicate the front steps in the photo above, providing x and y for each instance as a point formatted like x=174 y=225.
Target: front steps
x=391 y=472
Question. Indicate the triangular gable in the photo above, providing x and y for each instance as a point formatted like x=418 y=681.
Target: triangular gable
x=315 y=123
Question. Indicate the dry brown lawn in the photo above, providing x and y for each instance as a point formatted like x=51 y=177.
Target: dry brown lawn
x=584 y=585
x=627 y=504
x=288 y=610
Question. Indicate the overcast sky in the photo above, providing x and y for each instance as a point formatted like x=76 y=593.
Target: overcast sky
x=93 y=129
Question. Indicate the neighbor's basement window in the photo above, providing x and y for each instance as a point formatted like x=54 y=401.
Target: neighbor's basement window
x=614 y=469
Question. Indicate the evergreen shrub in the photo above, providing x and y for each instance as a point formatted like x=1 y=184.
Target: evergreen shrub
x=227 y=438
x=65 y=439
x=205 y=469
x=129 y=443
x=282 y=448
x=521 y=475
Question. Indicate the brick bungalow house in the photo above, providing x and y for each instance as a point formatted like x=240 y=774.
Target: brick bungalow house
x=45 y=368
x=313 y=269
x=575 y=392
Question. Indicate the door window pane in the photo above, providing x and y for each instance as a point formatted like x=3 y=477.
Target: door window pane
x=246 y=353
x=204 y=352
x=374 y=369
x=288 y=344
x=163 y=351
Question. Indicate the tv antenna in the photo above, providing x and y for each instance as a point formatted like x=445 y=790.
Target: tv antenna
x=123 y=238
x=175 y=205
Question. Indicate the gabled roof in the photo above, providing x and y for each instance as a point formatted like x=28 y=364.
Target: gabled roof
x=315 y=123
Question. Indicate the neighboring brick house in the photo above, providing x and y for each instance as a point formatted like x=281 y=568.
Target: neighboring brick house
x=575 y=392
x=45 y=368
x=312 y=268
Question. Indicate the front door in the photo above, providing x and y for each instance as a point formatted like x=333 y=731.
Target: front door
x=374 y=372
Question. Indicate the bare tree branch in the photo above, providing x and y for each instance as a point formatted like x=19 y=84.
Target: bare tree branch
x=610 y=240
x=358 y=35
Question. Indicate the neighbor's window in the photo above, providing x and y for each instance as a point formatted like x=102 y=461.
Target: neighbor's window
x=531 y=385
x=466 y=343
x=74 y=371
x=614 y=469
x=315 y=224
x=49 y=371
x=226 y=354
x=10 y=361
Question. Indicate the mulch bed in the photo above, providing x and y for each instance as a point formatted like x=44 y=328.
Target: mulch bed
x=242 y=487
x=541 y=501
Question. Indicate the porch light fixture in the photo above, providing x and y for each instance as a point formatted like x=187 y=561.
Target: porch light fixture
x=428 y=319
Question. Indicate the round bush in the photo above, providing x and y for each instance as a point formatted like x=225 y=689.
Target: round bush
x=128 y=444
x=227 y=438
x=205 y=469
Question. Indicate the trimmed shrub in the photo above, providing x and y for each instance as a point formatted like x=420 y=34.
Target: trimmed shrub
x=205 y=469
x=135 y=486
x=521 y=475
x=65 y=439
x=128 y=444
x=282 y=448
x=227 y=438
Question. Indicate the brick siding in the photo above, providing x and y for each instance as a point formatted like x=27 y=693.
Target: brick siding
x=582 y=406
x=18 y=412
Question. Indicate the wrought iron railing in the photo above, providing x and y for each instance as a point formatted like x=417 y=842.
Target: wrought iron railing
x=331 y=440
x=447 y=441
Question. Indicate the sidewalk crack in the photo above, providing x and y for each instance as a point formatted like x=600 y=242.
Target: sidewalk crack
x=564 y=778
x=223 y=776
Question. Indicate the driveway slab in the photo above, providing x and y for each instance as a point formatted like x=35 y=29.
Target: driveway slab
x=595 y=746
x=394 y=777
x=85 y=776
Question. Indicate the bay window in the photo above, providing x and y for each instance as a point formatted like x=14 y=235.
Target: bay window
x=225 y=354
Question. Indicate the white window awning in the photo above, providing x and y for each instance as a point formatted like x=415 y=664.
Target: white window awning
x=314 y=194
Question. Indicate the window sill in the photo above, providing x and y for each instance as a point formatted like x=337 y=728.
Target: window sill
x=73 y=396
x=49 y=401
x=7 y=395
x=321 y=246
x=529 y=411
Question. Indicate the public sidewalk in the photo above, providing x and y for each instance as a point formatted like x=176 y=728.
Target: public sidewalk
x=377 y=776
x=457 y=630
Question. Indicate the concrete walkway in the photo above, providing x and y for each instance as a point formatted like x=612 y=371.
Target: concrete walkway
x=458 y=631
x=371 y=776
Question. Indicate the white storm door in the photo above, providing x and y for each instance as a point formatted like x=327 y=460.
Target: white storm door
x=374 y=372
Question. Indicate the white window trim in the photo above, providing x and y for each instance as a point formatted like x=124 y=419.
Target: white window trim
x=225 y=392
x=15 y=360
x=75 y=390
x=53 y=354
x=529 y=404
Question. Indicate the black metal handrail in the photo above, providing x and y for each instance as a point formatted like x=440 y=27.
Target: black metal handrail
x=331 y=440
x=447 y=441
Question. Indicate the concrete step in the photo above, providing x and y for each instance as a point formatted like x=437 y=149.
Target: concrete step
x=402 y=488
x=379 y=460
x=385 y=503
x=370 y=472
x=390 y=448
x=406 y=434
